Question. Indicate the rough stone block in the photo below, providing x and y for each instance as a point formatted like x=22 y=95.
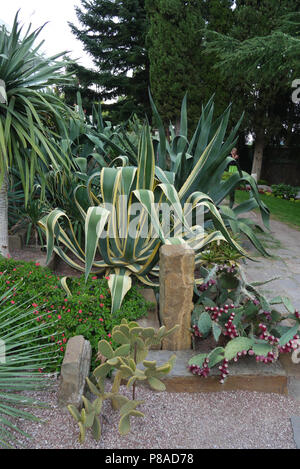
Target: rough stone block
x=74 y=371
x=15 y=242
x=177 y=267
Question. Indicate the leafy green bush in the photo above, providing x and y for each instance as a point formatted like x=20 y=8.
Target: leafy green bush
x=284 y=191
x=262 y=182
x=86 y=312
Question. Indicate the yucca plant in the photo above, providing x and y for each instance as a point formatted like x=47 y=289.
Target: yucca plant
x=94 y=141
x=127 y=237
x=29 y=113
x=23 y=353
x=199 y=164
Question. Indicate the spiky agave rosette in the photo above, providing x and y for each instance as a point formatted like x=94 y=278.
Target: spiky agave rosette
x=112 y=214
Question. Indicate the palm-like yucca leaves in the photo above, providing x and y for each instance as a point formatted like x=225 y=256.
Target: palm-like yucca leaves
x=30 y=114
x=127 y=239
x=23 y=351
x=199 y=164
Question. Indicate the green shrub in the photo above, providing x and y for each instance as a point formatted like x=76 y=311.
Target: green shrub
x=86 y=312
x=220 y=252
x=262 y=182
x=284 y=191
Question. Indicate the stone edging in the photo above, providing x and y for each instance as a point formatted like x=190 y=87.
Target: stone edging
x=281 y=377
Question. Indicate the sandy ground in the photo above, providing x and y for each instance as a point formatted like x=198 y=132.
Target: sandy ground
x=226 y=420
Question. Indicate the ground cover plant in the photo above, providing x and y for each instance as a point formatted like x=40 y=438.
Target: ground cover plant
x=86 y=312
x=284 y=191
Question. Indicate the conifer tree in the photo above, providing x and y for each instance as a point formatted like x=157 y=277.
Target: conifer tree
x=177 y=64
x=259 y=62
x=113 y=33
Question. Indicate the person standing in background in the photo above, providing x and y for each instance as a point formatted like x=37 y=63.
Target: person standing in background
x=233 y=166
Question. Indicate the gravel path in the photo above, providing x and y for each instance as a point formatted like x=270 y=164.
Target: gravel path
x=226 y=420
x=283 y=244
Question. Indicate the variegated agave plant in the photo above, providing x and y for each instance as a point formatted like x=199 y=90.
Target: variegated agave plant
x=112 y=215
x=198 y=163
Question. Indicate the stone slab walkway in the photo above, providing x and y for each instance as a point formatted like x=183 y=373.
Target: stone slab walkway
x=283 y=243
x=296 y=430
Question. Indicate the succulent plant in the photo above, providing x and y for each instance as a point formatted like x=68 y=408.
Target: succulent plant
x=228 y=305
x=135 y=342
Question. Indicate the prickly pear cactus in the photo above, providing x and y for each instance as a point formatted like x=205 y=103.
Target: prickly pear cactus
x=135 y=342
x=229 y=306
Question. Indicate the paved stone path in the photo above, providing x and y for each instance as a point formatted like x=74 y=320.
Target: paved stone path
x=283 y=243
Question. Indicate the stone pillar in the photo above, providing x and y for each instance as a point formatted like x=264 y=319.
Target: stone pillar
x=74 y=371
x=177 y=267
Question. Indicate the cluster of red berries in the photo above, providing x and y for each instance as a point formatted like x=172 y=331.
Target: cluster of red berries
x=290 y=346
x=226 y=268
x=231 y=330
x=196 y=331
x=217 y=312
x=240 y=355
x=270 y=358
x=224 y=370
x=265 y=336
x=205 y=286
x=297 y=314
x=197 y=370
x=268 y=315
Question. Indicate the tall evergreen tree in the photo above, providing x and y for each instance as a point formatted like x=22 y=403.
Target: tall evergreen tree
x=218 y=16
x=177 y=63
x=258 y=61
x=113 y=33
x=174 y=44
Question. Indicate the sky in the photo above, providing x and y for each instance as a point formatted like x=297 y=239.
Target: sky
x=57 y=33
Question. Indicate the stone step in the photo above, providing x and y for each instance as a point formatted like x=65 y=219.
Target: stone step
x=245 y=375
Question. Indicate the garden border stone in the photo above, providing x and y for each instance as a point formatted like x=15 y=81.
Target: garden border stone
x=74 y=371
x=176 y=279
x=245 y=375
x=15 y=242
